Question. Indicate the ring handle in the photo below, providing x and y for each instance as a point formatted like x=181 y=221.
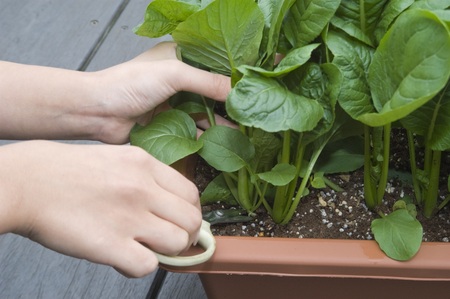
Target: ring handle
x=206 y=241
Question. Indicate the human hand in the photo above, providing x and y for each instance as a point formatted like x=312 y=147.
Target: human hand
x=133 y=90
x=104 y=203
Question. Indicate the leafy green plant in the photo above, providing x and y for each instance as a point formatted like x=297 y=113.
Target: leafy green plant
x=348 y=69
x=389 y=76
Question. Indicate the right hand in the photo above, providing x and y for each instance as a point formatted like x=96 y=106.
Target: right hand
x=108 y=204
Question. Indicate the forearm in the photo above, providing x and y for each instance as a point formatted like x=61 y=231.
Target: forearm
x=43 y=102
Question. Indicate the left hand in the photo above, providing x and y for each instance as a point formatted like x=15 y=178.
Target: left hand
x=134 y=89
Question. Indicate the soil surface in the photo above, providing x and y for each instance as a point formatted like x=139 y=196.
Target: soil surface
x=325 y=213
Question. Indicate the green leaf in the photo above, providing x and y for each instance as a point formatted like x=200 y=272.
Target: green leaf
x=223 y=35
x=353 y=59
x=359 y=19
x=267 y=146
x=431 y=4
x=163 y=16
x=226 y=149
x=217 y=191
x=171 y=136
x=293 y=60
x=318 y=181
x=280 y=175
x=390 y=13
x=404 y=75
x=341 y=156
x=307 y=19
x=274 y=13
x=398 y=234
x=265 y=103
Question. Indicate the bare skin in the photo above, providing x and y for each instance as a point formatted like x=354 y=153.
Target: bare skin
x=109 y=204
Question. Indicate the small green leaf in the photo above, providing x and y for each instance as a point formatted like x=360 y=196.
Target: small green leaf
x=280 y=175
x=318 y=181
x=398 y=234
x=171 y=136
x=226 y=149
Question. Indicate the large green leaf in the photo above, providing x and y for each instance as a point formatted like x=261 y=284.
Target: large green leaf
x=223 y=35
x=404 y=74
x=307 y=19
x=163 y=16
x=171 y=136
x=265 y=103
x=398 y=234
x=226 y=149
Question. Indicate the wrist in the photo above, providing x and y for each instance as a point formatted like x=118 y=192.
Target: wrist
x=11 y=212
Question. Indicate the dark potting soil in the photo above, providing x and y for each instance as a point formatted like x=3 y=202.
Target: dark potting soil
x=328 y=214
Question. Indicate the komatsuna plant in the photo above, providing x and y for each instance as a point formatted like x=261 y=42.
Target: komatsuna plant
x=390 y=77
x=347 y=67
x=286 y=111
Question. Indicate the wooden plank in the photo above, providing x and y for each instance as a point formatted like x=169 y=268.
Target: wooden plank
x=121 y=43
x=53 y=33
x=29 y=270
x=182 y=285
x=59 y=34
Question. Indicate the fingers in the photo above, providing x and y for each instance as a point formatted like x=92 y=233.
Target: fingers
x=132 y=259
x=198 y=81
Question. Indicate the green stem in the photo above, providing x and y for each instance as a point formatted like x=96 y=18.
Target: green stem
x=280 y=200
x=413 y=165
x=430 y=201
x=332 y=185
x=301 y=190
x=231 y=185
x=298 y=165
x=362 y=15
x=209 y=112
x=369 y=188
x=243 y=190
x=382 y=183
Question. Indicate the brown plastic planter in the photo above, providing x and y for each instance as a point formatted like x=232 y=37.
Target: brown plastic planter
x=278 y=268
x=248 y=267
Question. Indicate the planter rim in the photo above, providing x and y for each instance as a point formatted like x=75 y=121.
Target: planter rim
x=320 y=258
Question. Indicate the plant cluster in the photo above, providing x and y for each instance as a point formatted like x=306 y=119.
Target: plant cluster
x=317 y=87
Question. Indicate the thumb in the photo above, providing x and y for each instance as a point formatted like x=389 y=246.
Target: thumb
x=214 y=86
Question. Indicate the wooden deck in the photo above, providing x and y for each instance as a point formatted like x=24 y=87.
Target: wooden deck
x=81 y=35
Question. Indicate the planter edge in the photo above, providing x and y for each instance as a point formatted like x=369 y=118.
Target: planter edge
x=320 y=258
